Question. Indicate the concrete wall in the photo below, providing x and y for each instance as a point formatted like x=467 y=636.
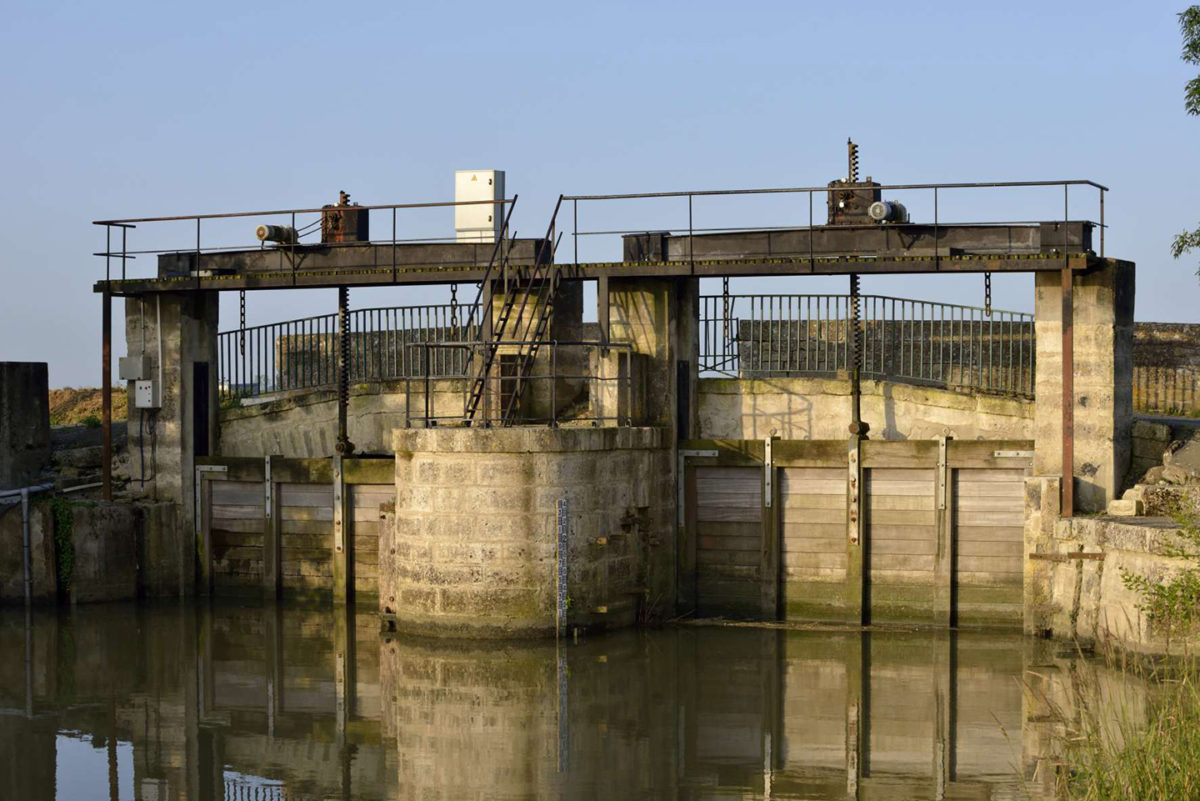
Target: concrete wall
x=1149 y=443
x=817 y=408
x=1103 y=410
x=42 y=562
x=123 y=551
x=104 y=539
x=1085 y=598
x=472 y=548
x=1166 y=345
x=542 y=396
x=118 y=551
x=305 y=426
x=24 y=423
x=189 y=336
x=659 y=318
x=1166 y=368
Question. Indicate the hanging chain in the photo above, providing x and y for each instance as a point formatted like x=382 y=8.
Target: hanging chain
x=725 y=306
x=242 y=324
x=987 y=294
x=343 y=345
x=454 y=307
x=856 y=322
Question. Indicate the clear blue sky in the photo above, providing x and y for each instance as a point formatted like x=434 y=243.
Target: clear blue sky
x=133 y=109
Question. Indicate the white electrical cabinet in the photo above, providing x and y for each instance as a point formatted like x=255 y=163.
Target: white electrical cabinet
x=145 y=394
x=480 y=222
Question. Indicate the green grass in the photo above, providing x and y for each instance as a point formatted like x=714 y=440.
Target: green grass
x=1113 y=751
x=1137 y=735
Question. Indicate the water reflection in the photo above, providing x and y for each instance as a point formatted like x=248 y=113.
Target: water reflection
x=280 y=703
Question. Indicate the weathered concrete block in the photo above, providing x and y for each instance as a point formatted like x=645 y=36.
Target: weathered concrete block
x=1174 y=474
x=165 y=553
x=1146 y=430
x=1184 y=454
x=1121 y=507
x=24 y=423
x=105 y=558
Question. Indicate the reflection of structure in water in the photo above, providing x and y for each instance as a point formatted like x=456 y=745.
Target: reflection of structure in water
x=291 y=704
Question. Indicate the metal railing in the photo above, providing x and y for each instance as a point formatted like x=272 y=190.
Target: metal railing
x=240 y=790
x=576 y=381
x=925 y=200
x=1166 y=390
x=913 y=341
x=227 y=228
x=302 y=354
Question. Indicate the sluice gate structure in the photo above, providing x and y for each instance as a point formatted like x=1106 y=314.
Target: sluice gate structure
x=497 y=465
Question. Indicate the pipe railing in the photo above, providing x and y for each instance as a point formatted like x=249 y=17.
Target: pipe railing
x=302 y=354
x=119 y=254
x=922 y=342
x=933 y=194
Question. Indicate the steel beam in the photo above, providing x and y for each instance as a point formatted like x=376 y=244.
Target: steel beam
x=366 y=275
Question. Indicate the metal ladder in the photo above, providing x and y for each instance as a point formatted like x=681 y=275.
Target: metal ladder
x=542 y=280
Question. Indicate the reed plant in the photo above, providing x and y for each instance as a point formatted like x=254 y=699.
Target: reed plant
x=1117 y=750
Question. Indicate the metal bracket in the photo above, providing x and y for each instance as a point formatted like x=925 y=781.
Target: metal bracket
x=339 y=527
x=854 y=477
x=1013 y=454
x=684 y=455
x=768 y=473
x=267 y=486
x=941 y=474
x=201 y=469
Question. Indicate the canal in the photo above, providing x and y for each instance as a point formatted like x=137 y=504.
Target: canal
x=277 y=702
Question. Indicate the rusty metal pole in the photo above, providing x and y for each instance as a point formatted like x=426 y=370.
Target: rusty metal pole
x=106 y=400
x=1068 y=393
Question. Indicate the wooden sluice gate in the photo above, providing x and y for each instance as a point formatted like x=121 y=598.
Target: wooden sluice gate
x=769 y=530
x=289 y=526
x=766 y=530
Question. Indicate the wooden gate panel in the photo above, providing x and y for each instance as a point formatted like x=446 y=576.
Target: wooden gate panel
x=989 y=518
x=901 y=543
x=306 y=536
x=365 y=500
x=236 y=520
x=728 y=540
x=812 y=508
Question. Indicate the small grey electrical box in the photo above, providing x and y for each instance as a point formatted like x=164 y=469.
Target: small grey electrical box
x=145 y=394
x=132 y=368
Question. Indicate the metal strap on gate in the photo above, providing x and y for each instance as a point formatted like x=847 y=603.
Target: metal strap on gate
x=201 y=470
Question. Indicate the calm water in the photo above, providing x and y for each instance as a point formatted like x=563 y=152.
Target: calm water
x=268 y=703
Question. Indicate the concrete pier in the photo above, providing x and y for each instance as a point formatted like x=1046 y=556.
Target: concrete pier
x=24 y=423
x=1103 y=381
x=473 y=547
